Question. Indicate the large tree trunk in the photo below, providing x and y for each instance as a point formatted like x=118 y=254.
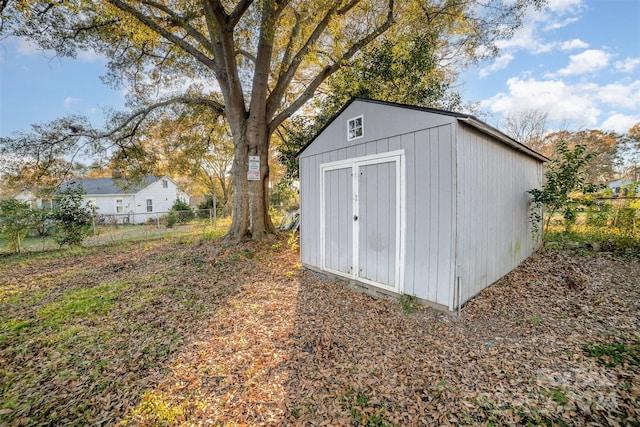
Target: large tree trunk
x=250 y=216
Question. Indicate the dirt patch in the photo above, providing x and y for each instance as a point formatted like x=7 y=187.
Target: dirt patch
x=200 y=334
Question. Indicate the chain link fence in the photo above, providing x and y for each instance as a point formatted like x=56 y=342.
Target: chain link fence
x=112 y=228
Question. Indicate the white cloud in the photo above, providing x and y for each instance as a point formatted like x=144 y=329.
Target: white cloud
x=500 y=63
x=27 y=47
x=585 y=62
x=90 y=56
x=556 y=25
x=620 y=123
x=618 y=95
x=627 y=65
x=573 y=44
x=561 y=101
x=581 y=104
x=69 y=101
x=564 y=6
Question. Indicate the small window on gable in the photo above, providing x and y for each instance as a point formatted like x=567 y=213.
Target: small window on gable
x=355 y=128
x=149 y=205
x=165 y=183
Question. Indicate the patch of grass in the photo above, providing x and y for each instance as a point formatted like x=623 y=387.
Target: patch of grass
x=363 y=412
x=556 y=394
x=613 y=239
x=409 y=303
x=615 y=353
x=248 y=254
x=82 y=303
x=12 y=327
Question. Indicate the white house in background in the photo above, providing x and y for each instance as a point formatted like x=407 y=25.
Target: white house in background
x=619 y=187
x=135 y=203
x=28 y=196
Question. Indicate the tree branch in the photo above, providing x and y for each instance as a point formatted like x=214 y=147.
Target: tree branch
x=139 y=116
x=163 y=32
x=225 y=55
x=183 y=23
x=330 y=69
x=238 y=12
x=275 y=98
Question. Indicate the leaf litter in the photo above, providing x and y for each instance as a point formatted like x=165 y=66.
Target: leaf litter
x=201 y=334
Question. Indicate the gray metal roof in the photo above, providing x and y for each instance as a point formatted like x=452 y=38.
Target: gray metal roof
x=104 y=186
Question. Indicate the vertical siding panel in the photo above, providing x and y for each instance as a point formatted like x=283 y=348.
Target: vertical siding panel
x=371 y=147
x=382 y=146
x=434 y=199
x=446 y=218
x=315 y=215
x=422 y=221
x=407 y=142
x=396 y=142
x=387 y=205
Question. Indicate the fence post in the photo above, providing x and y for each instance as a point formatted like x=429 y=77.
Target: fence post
x=93 y=225
x=215 y=213
x=210 y=218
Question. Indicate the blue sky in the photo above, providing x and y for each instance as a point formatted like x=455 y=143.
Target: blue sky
x=578 y=60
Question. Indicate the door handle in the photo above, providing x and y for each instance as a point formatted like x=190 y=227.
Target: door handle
x=355 y=217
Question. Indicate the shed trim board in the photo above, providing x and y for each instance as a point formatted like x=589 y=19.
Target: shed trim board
x=356 y=271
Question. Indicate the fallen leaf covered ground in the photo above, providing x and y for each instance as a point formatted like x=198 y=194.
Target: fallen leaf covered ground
x=194 y=333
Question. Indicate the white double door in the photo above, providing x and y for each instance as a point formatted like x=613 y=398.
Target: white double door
x=361 y=214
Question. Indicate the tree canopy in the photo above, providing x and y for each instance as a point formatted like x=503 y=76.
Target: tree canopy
x=255 y=62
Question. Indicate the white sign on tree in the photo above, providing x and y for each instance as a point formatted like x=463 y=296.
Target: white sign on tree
x=254 y=168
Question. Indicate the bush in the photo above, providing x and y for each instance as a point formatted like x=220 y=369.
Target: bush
x=171 y=219
x=598 y=216
x=72 y=219
x=43 y=224
x=15 y=221
x=183 y=212
x=565 y=190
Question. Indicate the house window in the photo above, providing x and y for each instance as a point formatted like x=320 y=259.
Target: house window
x=165 y=183
x=119 y=206
x=149 y=205
x=355 y=128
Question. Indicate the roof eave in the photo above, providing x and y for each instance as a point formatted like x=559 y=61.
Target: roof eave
x=491 y=131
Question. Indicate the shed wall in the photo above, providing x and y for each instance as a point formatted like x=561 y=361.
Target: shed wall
x=494 y=231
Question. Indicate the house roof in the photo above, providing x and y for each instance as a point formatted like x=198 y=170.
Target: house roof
x=462 y=118
x=619 y=183
x=106 y=186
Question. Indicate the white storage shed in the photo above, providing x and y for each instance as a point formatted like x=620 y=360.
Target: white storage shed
x=411 y=200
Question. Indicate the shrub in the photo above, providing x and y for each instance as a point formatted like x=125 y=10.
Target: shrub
x=171 y=219
x=72 y=219
x=15 y=220
x=182 y=210
x=564 y=190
